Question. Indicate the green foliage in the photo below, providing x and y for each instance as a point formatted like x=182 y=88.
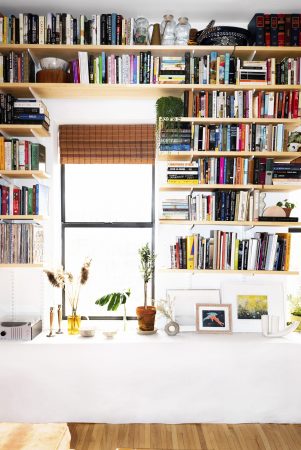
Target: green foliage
x=114 y=300
x=169 y=107
x=295 y=304
x=286 y=204
x=147 y=262
x=294 y=137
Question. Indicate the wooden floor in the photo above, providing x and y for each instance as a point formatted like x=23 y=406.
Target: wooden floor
x=185 y=437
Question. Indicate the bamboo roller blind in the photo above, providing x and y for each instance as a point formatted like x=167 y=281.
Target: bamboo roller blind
x=107 y=144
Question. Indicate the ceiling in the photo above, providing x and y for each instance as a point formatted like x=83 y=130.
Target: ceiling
x=199 y=12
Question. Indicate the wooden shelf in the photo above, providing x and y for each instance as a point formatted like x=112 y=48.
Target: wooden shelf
x=209 y=120
x=211 y=187
x=20 y=266
x=238 y=272
x=22 y=217
x=24 y=130
x=24 y=174
x=188 y=155
x=247 y=223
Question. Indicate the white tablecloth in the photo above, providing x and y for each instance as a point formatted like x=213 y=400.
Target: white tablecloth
x=187 y=378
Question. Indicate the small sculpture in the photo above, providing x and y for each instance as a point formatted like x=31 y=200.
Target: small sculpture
x=270 y=327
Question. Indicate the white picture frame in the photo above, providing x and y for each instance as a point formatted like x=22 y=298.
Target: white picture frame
x=184 y=304
x=275 y=298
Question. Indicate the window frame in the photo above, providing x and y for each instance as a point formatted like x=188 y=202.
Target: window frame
x=65 y=225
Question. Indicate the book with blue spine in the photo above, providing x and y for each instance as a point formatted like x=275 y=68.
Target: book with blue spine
x=114 y=28
x=41 y=199
x=227 y=67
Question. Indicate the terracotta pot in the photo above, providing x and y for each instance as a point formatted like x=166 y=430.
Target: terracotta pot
x=146 y=317
x=287 y=211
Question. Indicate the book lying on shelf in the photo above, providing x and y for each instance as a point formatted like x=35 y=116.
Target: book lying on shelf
x=23 y=111
x=181 y=172
x=17 y=154
x=225 y=251
x=21 y=243
x=278 y=219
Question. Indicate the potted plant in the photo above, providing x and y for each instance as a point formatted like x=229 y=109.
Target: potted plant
x=114 y=300
x=295 y=309
x=286 y=206
x=146 y=314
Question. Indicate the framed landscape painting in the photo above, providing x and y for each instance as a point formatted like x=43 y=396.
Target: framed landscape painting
x=214 y=318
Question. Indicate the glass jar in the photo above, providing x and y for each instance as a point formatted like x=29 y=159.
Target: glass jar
x=167 y=29
x=141 y=31
x=73 y=323
x=182 y=31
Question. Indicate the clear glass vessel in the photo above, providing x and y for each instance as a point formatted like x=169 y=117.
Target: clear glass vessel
x=168 y=29
x=182 y=31
x=141 y=31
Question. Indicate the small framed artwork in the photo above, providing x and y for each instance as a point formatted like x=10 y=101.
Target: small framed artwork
x=214 y=318
x=184 y=301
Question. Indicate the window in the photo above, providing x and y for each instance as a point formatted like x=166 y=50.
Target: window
x=107 y=214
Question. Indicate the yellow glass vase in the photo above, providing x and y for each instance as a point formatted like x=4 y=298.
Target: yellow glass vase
x=73 y=324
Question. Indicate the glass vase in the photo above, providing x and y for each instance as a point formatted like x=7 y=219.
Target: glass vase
x=182 y=31
x=73 y=323
x=167 y=29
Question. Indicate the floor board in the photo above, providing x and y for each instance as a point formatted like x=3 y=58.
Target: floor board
x=185 y=436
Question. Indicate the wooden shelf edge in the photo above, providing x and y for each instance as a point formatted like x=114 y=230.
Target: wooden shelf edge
x=229 y=223
x=210 y=187
x=22 y=217
x=28 y=130
x=21 y=266
x=24 y=174
x=170 y=156
x=241 y=272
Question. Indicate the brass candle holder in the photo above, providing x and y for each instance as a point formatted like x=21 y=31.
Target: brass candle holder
x=59 y=318
x=51 y=316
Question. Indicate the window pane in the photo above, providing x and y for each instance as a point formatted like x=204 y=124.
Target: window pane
x=108 y=192
x=114 y=267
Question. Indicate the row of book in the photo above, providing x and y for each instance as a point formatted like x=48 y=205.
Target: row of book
x=276 y=29
x=23 y=111
x=17 y=68
x=24 y=200
x=218 y=206
x=63 y=28
x=18 y=154
x=243 y=104
x=258 y=171
x=21 y=243
x=242 y=137
x=225 y=251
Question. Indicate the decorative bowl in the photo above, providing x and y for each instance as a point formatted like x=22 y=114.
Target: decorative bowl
x=54 y=63
x=109 y=334
x=87 y=332
x=225 y=36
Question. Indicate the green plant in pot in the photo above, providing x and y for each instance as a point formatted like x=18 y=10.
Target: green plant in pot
x=286 y=206
x=146 y=314
x=114 y=300
x=295 y=308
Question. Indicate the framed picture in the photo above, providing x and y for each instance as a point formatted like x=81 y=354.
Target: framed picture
x=184 y=301
x=252 y=300
x=215 y=318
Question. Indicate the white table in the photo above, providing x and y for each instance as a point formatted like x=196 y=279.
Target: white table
x=187 y=378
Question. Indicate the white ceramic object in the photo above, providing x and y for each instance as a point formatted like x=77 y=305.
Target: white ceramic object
x=109 y=334
x=54 y=63
x=87 y=332
x=147 y=332
x=270 y=327
x=274 y=211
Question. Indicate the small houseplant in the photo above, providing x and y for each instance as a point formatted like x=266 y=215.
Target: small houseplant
x=146 y=314
x=114 y=300
x=295 y=309
x=286 y=206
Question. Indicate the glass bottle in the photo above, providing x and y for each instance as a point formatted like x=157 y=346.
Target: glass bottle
x=182 y=31
x=141 y=31
x=168 y=28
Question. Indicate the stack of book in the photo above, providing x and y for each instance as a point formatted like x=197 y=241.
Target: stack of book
x=252 y=72
x=286 y=173
x=182 y=173
x=63 y=28
x=172 y=69
x=21 y=243
x=245 y=104
x=242 y=137
x=23 y=111
x=225 y=251
x=175 y=139
x=17 y=68
x=24 y=200
x=276 y=29
x=17 y=154
x=175 y=208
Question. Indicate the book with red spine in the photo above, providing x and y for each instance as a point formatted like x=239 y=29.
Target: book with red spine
x=267 y=29
x=4 y=200
x=281 y=29
x=16 y=201
x=274 y=30
x=287 y=29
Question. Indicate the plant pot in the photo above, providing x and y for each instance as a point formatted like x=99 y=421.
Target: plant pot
x=287 y=211
x=296 y=319
x=146 y=317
